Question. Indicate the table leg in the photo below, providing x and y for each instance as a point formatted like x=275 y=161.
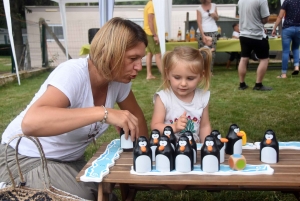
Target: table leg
x=127 y=193
x=102 y=196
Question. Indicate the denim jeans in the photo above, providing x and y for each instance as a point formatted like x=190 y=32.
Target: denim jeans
x=290 y=34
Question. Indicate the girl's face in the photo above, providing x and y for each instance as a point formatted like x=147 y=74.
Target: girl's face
x=183 y=81
x=132 y=63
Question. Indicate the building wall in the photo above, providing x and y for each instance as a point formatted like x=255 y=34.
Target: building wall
x=82 y=18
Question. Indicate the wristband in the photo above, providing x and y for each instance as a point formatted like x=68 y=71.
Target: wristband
x=105 y=115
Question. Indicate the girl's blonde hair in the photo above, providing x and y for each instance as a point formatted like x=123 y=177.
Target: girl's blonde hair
x=198 y=61
x=110 y=43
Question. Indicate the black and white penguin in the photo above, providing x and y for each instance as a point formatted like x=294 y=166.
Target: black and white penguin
x=164 y=155
x=154 y=137
x=184 y=159
x=193 y=143
x=126 y=145
x=142 y=156
x=168 y=131
x=269 y=148
x=220 y=143
x=234 y=137
x=210 y=155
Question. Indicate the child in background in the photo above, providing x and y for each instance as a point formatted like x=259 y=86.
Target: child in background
x=235 y=35
x=183 y=101
x=208 y=43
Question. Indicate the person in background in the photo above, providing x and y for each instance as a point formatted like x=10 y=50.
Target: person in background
x=253 y=15
x=208 y=43
x=75 y=105
x=290 y=10
x=183 y=101
x=207 y=16
x=153 y=47
x=235 y=35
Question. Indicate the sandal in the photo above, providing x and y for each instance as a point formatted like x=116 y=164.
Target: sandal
x=295 y=72
x=280 y=76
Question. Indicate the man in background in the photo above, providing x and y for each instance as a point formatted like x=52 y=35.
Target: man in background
x=253 y=15
x=153 y=47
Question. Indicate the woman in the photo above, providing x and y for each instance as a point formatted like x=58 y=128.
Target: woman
x=75 y=105
x=207 y=16
x=290 y=11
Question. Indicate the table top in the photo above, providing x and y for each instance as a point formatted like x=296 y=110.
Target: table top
x=286 y=174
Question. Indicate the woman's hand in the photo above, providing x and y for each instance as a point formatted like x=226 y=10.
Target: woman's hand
x=274 y=32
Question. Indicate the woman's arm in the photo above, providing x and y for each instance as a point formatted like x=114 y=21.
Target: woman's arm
x=205 y=128
x=278 y=20
x=215 y=15
x=50 y=116
x=132 y=106
x=199 y=22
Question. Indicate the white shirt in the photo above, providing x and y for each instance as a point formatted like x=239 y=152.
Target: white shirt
x=72 y=79
x=208 y=23
x=235 y=34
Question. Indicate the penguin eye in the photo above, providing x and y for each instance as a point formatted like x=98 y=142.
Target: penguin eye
x=167 y=132
x=163 y=143
x=236 y=130
x=219 y=137
x=141 y=144
x=269 y=137
x=182 y=143
x=155 y=135
x=190 y=137
x=211 y=143
x=207 y=143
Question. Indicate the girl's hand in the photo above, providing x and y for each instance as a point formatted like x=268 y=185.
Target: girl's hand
x=123 y=119
x=180 y=124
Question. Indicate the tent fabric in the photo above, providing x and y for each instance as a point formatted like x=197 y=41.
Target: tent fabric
x=9 y=27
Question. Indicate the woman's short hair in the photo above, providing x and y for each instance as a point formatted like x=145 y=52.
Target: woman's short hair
x=110 y=43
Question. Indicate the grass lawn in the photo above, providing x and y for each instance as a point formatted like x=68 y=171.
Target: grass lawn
x=5 y=64
x=253 y=111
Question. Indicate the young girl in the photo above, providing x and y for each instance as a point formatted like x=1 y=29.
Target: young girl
x=182 y=104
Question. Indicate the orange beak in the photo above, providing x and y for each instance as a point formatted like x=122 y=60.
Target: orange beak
x=155 y=140
x=143 y=149
x=240 y=134
x=209 y=148
x=161 y=148
x=224 y=140
x=190 y=141
x=168 y=136
x=182 y=148
x=268 y=141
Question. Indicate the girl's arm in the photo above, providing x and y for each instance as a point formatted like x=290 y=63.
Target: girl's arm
x=205 y=128
x=158 y=118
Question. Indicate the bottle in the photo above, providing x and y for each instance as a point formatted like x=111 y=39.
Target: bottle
x=224 y=36
x=166 y=35
x=179 y=35
x=187 y=36
x=192 y=34
x=219 y=32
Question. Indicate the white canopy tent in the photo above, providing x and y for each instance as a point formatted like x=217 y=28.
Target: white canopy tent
x=163 y=12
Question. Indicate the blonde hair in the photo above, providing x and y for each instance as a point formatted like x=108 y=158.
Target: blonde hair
x=198 y=61
x=110 y=43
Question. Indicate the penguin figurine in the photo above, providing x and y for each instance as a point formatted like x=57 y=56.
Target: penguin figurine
x=184 y=157
x=234 y=137
x=154 y=137
x=142 y=156
x=220 y=143
x=126 y=145
x=210 y=155
x=164 y=155
x=168 y=131
x=269 y=148
x=193 y=143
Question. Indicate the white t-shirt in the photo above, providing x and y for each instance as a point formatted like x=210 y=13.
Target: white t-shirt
x=71 y=78
x=235 y=34
x=175 y=108
x=208 y=23
x=251 y=13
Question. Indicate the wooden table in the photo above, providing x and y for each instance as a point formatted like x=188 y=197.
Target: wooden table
x=286 y=177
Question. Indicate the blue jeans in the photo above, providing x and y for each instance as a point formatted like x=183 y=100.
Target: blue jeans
x=290 y=34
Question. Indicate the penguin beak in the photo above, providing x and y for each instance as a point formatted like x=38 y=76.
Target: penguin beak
x=268 y=141
x=182 y=148
x=209 y=148
x=161 y=148
x=190 y=141
x=155 y=140
x=240 y=134
x=224 y=140
x=143 y=149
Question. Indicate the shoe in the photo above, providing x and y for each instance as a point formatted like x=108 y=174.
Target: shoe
x=295 y=72
x=262 y=88
x=243 y=88
x=280 y=76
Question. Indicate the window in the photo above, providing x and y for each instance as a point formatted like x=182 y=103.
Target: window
x=57 y=30
x=138 y=21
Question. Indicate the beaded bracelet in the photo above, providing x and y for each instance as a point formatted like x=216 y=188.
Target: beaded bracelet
x=105 y=115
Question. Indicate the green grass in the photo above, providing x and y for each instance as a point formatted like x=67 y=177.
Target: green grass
x=5 y=64
x=253 y=111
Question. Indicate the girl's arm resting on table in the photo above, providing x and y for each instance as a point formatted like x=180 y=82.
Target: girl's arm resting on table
x=278 y=20
x=158 y=118
x=205 y=128
x=50 y=116
x=130 y=104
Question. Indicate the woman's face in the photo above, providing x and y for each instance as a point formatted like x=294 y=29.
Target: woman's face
x=132 y=63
